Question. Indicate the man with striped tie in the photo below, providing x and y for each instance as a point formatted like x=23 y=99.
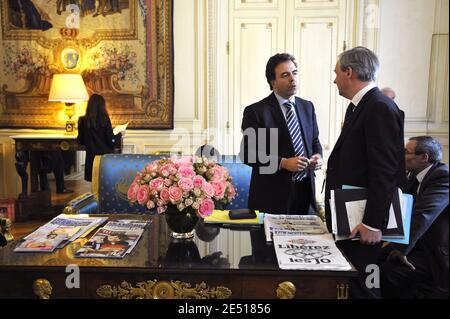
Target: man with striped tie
x=281 y=143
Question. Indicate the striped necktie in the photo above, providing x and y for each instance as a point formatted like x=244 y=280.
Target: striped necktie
x=296 y=137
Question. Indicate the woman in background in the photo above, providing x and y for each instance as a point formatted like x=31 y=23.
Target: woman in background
x=95 y=132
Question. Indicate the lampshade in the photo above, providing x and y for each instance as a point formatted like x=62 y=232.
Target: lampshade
x=68 y=88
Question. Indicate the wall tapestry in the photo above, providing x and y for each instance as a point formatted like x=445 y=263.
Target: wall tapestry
x=122 y=48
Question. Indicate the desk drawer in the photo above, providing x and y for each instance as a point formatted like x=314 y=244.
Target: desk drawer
x=167 y=285
x=307 y=287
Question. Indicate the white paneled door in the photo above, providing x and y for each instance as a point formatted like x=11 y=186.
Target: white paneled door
x=314 y=31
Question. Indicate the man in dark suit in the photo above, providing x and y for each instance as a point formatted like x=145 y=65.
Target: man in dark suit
x=369 y=153
x=420 y=269
x=281 y=144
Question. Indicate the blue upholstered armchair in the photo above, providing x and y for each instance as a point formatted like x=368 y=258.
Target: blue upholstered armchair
x=113 y=174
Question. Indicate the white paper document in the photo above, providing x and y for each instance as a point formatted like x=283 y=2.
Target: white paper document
x=120 y=128
x=355 y=212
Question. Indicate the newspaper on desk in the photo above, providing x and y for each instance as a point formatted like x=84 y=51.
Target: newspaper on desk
x=309 y=252
x=115 y=240
x=289 y=225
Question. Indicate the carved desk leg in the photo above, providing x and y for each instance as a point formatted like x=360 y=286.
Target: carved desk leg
x=22 y=159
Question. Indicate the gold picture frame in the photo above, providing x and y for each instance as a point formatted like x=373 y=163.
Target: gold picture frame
x=125 y=55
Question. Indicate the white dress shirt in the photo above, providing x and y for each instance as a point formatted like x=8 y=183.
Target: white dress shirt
x=421 y=176
x=282 y=100
x=358 y=96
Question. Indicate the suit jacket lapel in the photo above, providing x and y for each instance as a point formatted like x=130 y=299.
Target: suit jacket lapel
x=426 y=178
x=355 y=115
x=279 y=117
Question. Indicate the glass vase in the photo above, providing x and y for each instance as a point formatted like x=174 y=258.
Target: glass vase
x=181 y=223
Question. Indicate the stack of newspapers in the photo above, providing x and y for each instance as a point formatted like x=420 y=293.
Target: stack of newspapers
x=302 y=242
x=292 y=225
x=58 y=232
x=115 y=240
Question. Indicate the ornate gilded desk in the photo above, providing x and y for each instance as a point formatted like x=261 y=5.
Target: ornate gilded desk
x=218 y=263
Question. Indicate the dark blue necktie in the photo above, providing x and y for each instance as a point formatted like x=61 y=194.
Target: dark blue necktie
x=349 y=113
x=296 y=137
x=413 y=186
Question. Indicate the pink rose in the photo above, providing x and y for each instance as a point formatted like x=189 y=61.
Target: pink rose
x=137 y=178
x=164 y=195
x=196 y=205
x=231 y=191
x=183 y=161
x=208 y=189
x=206 y=207
x=175 y=194
x=186 y=184
x=217 y=173
x=142 y=194
x=168 y=182
x=186 y=171
x=157 y=183
x=166 y=169
x=132 y=191
x=151 y=167
x=219 y=189
x=164 y=172
x=198 y=181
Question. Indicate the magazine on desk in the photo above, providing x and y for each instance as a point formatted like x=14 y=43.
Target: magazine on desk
x=289 y=225
x=309 y=252
x=115 y=240
x=47 y=238
x=58 y=232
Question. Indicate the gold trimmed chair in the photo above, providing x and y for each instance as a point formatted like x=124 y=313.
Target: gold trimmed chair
x=112 y=175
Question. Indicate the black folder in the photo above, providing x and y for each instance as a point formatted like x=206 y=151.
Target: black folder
x=343 y=196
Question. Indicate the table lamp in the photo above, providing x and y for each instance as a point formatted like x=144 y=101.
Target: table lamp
x=68 y=88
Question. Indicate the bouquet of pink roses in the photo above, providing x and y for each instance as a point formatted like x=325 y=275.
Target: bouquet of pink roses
x=186 y=182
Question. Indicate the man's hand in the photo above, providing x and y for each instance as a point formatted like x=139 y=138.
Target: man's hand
x=315 y=162
x=295 y=164
x=367 y=236
x=398 y=256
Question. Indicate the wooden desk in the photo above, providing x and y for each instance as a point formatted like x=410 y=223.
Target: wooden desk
x=218 y=263
x=30 y=149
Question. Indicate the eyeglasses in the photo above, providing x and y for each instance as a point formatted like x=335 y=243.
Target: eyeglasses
x=411 y=153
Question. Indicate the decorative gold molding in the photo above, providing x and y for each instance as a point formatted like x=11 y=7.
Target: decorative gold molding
x=11 y=33
x=286 y=290
x=342 y=291
x=147 y=105
x=42 y=288
x=153 y=289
